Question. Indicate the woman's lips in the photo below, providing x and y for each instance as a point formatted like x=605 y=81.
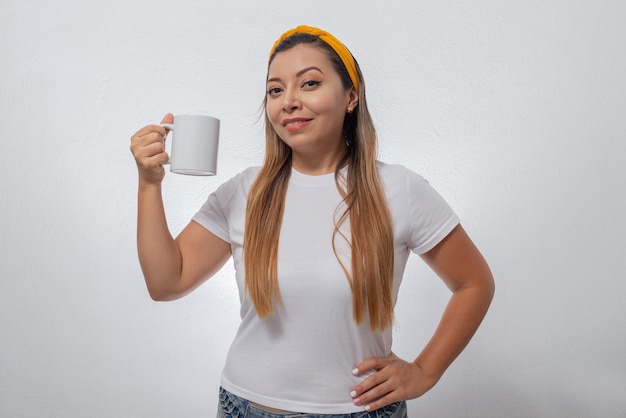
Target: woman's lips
x=293 y=125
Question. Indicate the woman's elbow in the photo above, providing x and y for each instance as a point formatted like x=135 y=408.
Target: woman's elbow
x=162 y=294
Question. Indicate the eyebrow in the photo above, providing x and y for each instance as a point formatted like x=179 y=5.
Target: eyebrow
x=298 y=74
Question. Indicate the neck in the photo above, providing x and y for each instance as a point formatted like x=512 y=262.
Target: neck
x=317 y=163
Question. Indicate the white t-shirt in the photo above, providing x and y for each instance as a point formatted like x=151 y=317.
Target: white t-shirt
x=301 y=358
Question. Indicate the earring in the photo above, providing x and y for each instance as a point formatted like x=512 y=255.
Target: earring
x=349 y=110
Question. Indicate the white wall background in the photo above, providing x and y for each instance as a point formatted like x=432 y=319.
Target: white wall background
x=513 y=110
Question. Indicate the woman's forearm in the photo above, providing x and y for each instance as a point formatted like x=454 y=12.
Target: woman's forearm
x=159 y=254
x=463 y=314
x=395 y=379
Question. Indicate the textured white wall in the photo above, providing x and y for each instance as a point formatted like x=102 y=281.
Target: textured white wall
x=513 y=110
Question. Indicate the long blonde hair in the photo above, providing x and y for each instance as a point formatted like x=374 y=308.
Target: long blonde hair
x=372 y=256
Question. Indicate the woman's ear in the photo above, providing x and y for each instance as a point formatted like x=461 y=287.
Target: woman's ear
x=353 y=100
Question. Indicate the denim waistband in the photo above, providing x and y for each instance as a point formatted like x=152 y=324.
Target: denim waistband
x=233 y=406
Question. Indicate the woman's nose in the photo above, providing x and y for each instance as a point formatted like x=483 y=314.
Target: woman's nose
x=291 y=101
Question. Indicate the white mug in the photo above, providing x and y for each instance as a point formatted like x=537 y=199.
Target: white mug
x=195 y=141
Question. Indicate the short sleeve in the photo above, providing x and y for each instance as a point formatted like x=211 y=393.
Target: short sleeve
x=224 y=209
x=213 y=216
x=431 y=217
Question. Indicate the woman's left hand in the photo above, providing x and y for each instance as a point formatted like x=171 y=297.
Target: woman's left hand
x=393 y=380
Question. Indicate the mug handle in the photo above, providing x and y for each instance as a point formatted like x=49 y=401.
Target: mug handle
x=170 y=127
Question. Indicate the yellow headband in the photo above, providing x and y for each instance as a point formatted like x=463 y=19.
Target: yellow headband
x=334 y=43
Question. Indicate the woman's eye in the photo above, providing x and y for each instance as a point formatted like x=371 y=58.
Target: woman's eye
x=273 y=91
x=311 y=83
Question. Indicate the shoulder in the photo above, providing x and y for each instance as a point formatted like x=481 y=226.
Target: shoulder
x=398 y=176
x=242 y=179
x=248 y=175
x=397 y=170
x=236 y=188
x=403 y=185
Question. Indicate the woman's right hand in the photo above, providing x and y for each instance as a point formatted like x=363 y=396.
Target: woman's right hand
x=148 y=148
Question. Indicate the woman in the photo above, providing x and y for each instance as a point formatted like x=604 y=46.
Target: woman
x=320 y=236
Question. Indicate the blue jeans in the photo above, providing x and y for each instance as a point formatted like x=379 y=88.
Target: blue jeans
x=232 y=406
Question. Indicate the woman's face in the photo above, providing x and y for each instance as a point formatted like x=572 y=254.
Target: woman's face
x=306 y=105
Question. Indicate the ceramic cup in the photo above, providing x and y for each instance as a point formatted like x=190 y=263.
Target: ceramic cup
x=195 y=140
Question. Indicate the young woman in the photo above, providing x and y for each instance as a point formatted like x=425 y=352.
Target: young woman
x=320 y=236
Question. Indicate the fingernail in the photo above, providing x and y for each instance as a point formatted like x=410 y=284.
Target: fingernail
x=367 y=407
x=353 y=394
x=355 y=371
x=356 y=401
